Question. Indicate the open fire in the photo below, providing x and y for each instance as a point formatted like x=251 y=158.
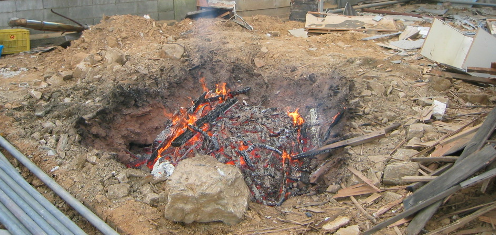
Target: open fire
x=259 y=141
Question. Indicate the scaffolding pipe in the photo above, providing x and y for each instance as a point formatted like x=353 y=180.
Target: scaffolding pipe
x=40 y=207
x=11 y=222
x=44 y=25
x=66 y=196
x=32 y=226
x=26 y=208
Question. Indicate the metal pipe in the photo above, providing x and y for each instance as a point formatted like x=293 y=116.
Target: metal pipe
x=44 y=25
x=12 y=224
x=27 y=209
x=32 y=202
x=66 y=196
x=33 y=227
x=340 y=10
x=10 y=170
x=469 y=3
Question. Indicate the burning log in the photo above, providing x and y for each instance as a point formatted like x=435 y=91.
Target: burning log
x=210 y=117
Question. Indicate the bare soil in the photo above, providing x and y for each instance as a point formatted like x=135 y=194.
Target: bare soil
x=100 y=113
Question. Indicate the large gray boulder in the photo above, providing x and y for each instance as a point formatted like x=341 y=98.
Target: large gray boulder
x=203 y=190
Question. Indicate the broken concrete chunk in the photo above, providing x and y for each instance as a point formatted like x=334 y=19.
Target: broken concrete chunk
x=418 y=130
x=117 y=191
x=81 y=69
x=172 y=50
x=203 y=190
x=439 y=83
x=114 y=55
x=404 y=154
x=476 y=98
x=393 y=172
x=299 y=33
x=336 y=224
x=350 y=230
x=35 y=94
x=66 y=75
x=151 y=199
x=258 y=62
x=377 y=87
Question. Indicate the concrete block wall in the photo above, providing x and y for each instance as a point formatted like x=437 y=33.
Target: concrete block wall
x=90 y=12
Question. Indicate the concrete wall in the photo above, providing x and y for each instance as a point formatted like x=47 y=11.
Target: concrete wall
x=91 y=11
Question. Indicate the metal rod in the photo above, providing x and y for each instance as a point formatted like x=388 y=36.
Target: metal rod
x=9 y=169
x=26 y=208
x=33 y=227
x=12 y=224
x=469 y=3
x=66 y=196
x=44 y=25
x=368 y=5
x=36 y=205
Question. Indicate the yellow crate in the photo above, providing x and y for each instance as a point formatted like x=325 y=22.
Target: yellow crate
x=14 y=40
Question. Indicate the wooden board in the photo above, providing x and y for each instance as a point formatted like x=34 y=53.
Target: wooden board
x=491 y=25
x=340 y=23
x=459 y=172
x=482 y=52
x=355 y=190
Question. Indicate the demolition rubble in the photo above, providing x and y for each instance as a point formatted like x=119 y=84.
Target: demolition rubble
x=332 y=124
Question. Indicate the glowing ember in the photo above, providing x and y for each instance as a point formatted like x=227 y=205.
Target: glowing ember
x=259 y=141
x=297 y=119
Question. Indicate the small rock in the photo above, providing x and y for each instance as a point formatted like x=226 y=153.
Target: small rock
x=333 y=188
x=258 y=62
x=366 y=93
x=393 y=172
x=91 y=159
x=35 y=94
x=336 y=224
x=439 y=84
x=81 y=70
x=417 y=130
x=66 y=75
x=388 y=197
x=275 y=33
x=62 y=145
x=350 y=230
x=55 y=80
x=202 y=189
x=122 y=177
x=174 y=51
x=48 y=125
x=445 y=222
x=376 y=87
x=67 y=100
x=264 y=50
x=151 y=199
x=114 y=55
x=404 y=154
x=476 y=98
x=401 y=94
x=117 y=191
x=36 y=136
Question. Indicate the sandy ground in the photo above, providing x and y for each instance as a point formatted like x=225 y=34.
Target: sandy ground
x=78 y=108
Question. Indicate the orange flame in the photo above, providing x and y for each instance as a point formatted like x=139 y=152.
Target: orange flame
x=285 y=156
x=221 y=89
x=297 y=119
x=204 y=85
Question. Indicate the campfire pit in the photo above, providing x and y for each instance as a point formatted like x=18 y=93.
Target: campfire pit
x=230 y=126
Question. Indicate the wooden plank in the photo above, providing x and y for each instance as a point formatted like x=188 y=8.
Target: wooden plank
x=482 y=70
x=349 y=142
x=412 y=210
x=355 y=190
x=469 y=78
x=369 y=200
x=363 y=178
x=422 y=178
x=439 y=171
x=463 y=221
x=489 y=217
x=434 y=159
x=454 y=175
x=387 y=207
x=481 y=136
